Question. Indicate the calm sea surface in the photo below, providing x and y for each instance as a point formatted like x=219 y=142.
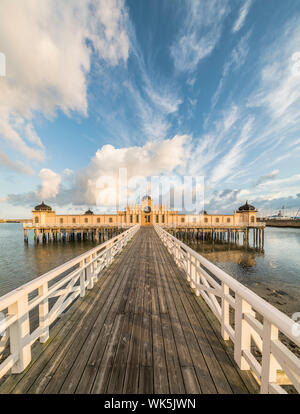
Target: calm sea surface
x=273 y=273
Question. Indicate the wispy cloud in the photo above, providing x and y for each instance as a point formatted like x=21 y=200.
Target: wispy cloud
x=200 y=33
x=236 y=59
x=267 y=177
x=234 y=156
x=16 y=166
x=242 y=16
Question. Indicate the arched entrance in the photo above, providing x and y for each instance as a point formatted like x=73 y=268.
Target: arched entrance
x=147 y=216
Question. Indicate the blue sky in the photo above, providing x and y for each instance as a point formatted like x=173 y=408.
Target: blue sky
x=161 y=87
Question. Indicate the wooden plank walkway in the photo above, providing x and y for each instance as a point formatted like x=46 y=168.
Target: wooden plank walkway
x=140 y=330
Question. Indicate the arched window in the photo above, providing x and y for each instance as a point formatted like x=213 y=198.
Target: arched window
x=86 y=220
x=206 y=220
x=98 y=220
x=61 y=220
x=228 y=220
x=36 y=219
x=217 y=220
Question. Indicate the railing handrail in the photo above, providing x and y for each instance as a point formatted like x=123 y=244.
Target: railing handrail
x=275 y=355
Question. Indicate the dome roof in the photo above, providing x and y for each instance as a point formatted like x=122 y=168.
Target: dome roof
x=88 y=212
x=247 y=207
x=146 y=197
x=42 y=207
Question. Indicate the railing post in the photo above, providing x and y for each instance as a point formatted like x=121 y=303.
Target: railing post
x=44 y=313
x=189 y=269
x=225 y=312
x=269 y=365
x=82 y=279
x=94 y=265
x=242 y=332
x=192 y=270
x=19 y=333
x=88 y=271
x=197 y=276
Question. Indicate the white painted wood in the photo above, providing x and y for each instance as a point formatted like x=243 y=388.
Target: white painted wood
x=225 y=312
x=44 y=313
x=242 y=332
x=19 y=333
x=269 y=366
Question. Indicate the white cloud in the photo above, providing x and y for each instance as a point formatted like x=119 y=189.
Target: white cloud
x=154 y=158
x=50 y=184
x=279 y=90
x=49 y=58
x=242 y=16
x=200 y=33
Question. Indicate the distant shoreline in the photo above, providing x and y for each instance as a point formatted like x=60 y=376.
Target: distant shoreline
x=15 y=220
x=283 y=223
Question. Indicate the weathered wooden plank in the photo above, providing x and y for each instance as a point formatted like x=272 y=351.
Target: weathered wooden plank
x=42 y=353
x=140 y=330
x=88 y=360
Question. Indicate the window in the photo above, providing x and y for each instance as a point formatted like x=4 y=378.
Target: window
x=74 y=220
x=206 y=220
x=61 y=220
x=194 y=220
x=217 y=220
x=110 y=220
x=131 y=218
x=137 y=218
x=252 y=219
x=36 y=219
x=98 y=220
x=228 y=220
x=182 y=220
x=86 y=220
x=163 y=218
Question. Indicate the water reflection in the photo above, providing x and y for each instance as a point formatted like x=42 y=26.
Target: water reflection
x=229 y=252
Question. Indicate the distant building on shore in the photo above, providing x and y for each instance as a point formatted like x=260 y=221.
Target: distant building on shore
x=146 y=214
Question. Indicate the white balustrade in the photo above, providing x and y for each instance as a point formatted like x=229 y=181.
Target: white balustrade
x=255 y=320
x=62 y=285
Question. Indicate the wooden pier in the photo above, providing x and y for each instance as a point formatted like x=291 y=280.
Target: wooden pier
x=147 y=322
x=246 y=234
x=48 y=234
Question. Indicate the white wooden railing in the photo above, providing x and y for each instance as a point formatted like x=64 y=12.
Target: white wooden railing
x=253 y=319
x=62 y=286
